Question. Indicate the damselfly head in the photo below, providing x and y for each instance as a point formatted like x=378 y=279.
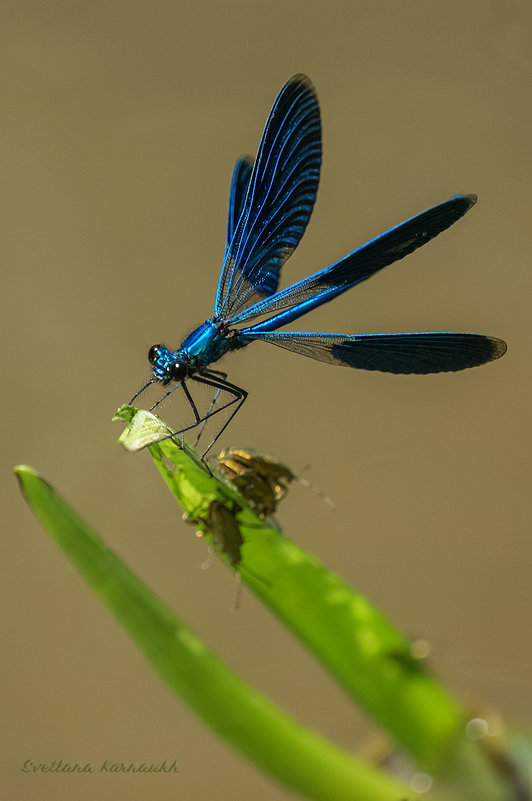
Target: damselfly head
x=166 y=365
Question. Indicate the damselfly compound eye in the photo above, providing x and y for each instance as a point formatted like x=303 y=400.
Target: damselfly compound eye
x=177 y=370
x=153 y=353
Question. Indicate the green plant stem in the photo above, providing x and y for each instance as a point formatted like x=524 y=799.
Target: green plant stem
x=368 y=656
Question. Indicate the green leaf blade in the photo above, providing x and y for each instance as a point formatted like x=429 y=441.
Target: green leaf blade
x=299 y=758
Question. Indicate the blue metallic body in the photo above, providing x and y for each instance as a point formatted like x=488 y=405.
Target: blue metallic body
x=204 y=345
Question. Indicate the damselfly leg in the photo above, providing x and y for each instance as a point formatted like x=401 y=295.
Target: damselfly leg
x=213 y=379
x=210 y=378
x=216 y=395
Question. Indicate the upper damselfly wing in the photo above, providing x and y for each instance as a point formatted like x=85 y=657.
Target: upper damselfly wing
x=279 y=199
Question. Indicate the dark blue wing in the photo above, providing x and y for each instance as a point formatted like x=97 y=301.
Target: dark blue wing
x=362 y=263
x=427 y=352
x=237 y=195
x=279 y=200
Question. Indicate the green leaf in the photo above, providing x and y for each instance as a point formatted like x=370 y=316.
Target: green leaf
x=301 y=759
x=368 y=656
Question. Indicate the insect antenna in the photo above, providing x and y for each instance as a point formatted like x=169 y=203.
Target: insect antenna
x=151 y=381
x=164 y=397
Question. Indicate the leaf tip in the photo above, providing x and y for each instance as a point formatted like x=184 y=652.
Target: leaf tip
x=126 y=413
x=23 y=470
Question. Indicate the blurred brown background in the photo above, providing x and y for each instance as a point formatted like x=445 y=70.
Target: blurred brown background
x=122 y=121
